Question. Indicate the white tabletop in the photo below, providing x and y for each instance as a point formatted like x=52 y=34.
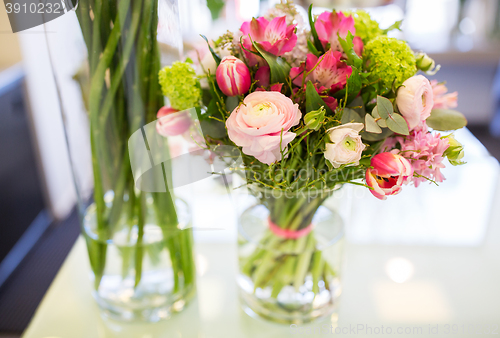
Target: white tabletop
x=434 y=272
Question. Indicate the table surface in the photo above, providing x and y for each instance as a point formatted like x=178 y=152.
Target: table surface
x=428 y=273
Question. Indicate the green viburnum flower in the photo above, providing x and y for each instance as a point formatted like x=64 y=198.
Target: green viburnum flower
x=366 y=28
x=390 y=60
x=181 y=85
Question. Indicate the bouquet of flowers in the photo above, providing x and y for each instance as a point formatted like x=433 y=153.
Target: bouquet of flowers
x=313 y=104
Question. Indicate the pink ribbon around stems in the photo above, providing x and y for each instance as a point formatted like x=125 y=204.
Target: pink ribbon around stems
x=287 y=233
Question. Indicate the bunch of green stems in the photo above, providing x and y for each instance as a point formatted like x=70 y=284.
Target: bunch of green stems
x=124 y=61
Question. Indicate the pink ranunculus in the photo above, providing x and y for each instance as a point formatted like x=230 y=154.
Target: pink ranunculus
x=329 y=72
x=262 y=123
x=389 y=173
x=415 y=100
x=329 y=24
x=443 y=99
x=172 y=122
x=233 y=76
x=275 y=37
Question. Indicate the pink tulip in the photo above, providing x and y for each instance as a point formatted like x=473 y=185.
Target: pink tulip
x=331 y=25
x=389 y=173
x=275 y=37
x=171 y=122
x=233 y=76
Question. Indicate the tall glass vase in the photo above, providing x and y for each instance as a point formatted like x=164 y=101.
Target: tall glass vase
x=290 y=254
x=139 y=240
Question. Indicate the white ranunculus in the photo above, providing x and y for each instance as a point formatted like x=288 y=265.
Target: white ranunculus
x=346 y=146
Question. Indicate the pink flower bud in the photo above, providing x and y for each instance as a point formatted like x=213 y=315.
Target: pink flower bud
x=172 y=122
x=233 y=76
x=390 y=171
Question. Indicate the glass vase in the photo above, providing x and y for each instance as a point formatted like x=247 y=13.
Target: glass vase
x=138 y=234
x=290 y=253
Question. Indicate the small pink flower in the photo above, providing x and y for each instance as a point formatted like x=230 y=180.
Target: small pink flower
x=171 y=122
x=424 y=150
x=415 y=100
x=328 y=71
x=233 y=76
x=443 y=99
x=262 y=123
x=275 y=37
x=389 y=173
x=331 y=25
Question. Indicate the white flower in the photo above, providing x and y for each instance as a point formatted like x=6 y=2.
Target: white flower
x=415 y=100
x=346 y=146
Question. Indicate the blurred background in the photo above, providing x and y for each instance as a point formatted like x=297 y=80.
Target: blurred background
x=36 y=190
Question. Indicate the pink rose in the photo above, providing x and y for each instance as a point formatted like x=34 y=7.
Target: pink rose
x=262 y=123
x=233 y=76
x=275 y=37
x=171 y=122
x=443 y=99
x=415 y=100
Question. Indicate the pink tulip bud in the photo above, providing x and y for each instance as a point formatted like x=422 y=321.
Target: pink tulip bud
x=233 y=76
x=389 y=173
x=172 y=122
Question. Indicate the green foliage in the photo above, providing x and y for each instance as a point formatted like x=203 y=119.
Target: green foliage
x=314 y=101
x=389 y=60
x=181 y=85
x=317 y=43
x=394 y=121
x=279 y=69
x=446 y=119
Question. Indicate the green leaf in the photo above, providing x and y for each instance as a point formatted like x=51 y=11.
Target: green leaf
x=314 y=101
x=396 y=25
x=353 y=59
x=371 y=126
x=397 y=124
x=211 y=127
x=376 y=137
x=381 y=122
x=446 y=119
x=350 y=115
x=312 y=48
x=353 y=86
x=384 y=106
x=280 y=70
x=216 y=57
x=317 y=43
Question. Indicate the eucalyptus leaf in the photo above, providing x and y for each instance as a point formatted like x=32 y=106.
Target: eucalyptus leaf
x=350 y=115
x=376 y=137
x=446 y=119
x=384 y=106
x=371 y=125
x=314 y=101
x=382 y=123
x=375 y=113
x=397 y=124
x=358 y=105
x=279 y=68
